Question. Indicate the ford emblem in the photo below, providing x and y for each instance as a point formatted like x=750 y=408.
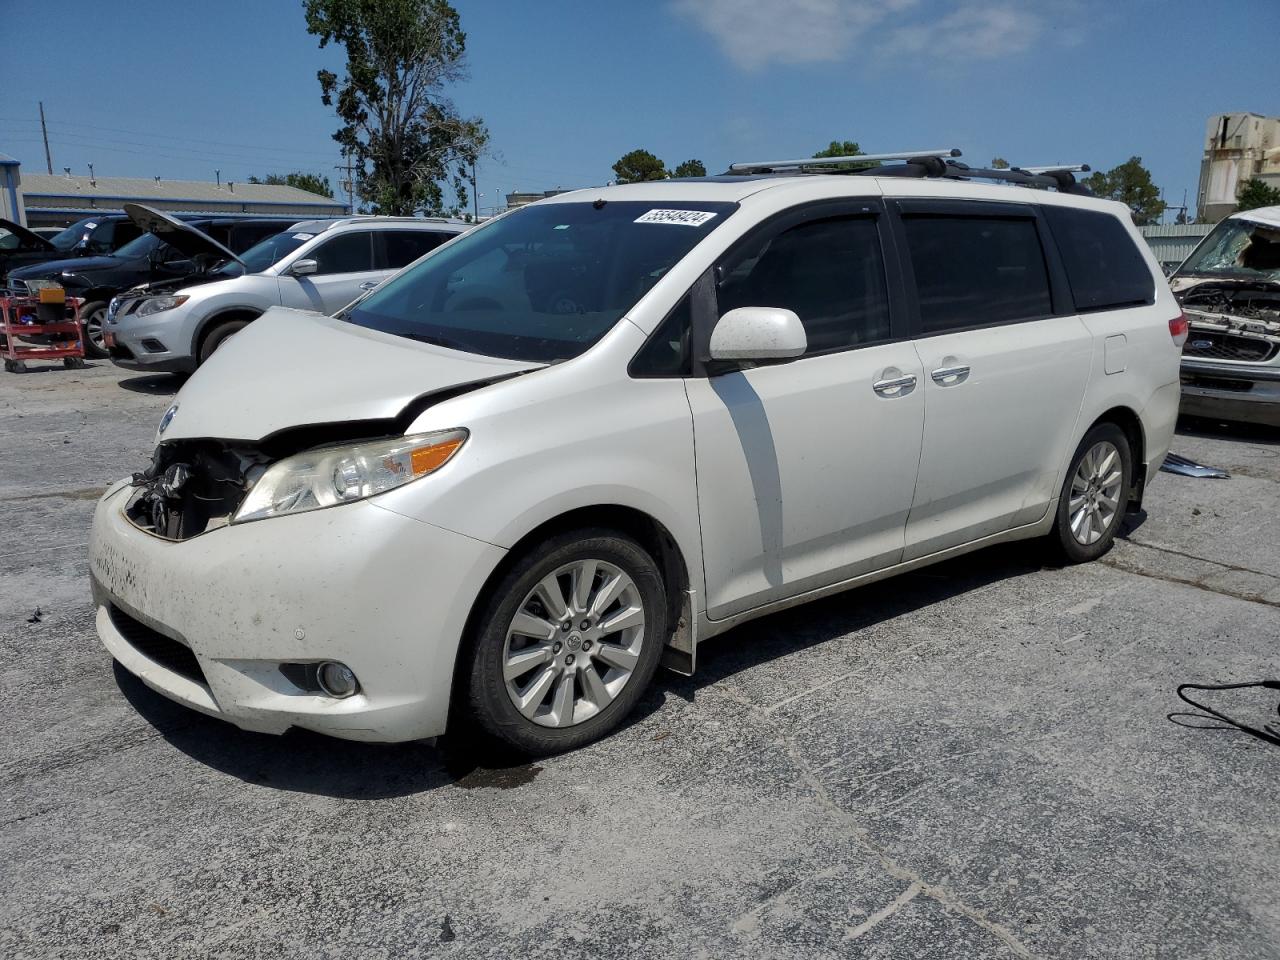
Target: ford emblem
x=168 y=418
x=1200 y=344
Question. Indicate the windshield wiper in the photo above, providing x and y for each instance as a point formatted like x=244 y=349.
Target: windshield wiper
x=437 y=341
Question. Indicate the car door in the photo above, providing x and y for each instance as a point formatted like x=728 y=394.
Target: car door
x=1006 y=362
x=343 y=262
x=805 y=469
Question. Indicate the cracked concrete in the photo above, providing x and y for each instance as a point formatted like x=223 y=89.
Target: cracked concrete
x=970 y=761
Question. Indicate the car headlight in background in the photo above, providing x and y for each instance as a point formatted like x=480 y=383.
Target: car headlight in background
x=159 y=305
x=333 y=475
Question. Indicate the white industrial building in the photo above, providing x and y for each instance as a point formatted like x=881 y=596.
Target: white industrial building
x=1237 y=148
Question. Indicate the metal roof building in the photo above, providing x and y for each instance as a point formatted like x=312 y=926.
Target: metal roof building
x=1173 y=242
x=44 y=200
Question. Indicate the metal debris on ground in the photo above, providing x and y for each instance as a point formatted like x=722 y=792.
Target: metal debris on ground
x=1189 y=468
x=35 y=617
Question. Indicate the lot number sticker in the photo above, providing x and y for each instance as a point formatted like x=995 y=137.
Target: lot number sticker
x=683 y=218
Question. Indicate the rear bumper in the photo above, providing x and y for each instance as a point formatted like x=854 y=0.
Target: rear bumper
x=1239 y=392
x=384 y=594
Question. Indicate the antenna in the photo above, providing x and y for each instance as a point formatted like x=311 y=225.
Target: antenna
x=905 y=155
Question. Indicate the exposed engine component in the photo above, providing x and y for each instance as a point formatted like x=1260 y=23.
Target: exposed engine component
x=191 y=486
x=1238 y=307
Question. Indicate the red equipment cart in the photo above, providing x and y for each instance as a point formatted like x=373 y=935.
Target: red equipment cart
x=45 y=326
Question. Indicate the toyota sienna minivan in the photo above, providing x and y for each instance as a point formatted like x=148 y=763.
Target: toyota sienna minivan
x=496 y=491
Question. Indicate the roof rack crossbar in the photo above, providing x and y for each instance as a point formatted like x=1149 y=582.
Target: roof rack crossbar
x=841 y=161
x=1057 y=168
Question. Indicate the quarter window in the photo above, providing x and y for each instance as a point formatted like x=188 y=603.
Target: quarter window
x=976 y=271
x=829 y=271
x=345 y=253
x=1104 y=268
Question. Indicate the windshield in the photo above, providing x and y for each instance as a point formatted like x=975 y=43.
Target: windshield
x=542 y=284
x=69 y=237
x=139 y=246
x=263 y=254
x=1237 y=248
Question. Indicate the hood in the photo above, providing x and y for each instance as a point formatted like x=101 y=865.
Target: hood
x=181 y=236
x=1251 y=306
x=31 y=241
x=154 y=287
x=52 y=269
x=291 y=369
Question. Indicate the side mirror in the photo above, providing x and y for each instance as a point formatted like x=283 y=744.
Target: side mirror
x=758 y=333
x=304 y=268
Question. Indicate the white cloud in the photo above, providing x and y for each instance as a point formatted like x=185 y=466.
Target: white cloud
x=757 y=33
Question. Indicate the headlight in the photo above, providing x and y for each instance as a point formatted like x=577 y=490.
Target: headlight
x=159 y=305
x=333 y=475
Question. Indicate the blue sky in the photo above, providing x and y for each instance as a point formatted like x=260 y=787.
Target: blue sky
x=179 y=88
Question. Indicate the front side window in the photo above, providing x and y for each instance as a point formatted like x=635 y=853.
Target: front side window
x=345 y=253
x=829 y=271
x=72 y=235
x=541 y=284
x=974 y=271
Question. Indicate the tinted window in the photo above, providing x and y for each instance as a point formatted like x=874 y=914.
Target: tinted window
x=1104 y=268
x=666 y=352
x=125 y=232
x=543 y=283
x=246 y=235
x=99 y=238
x=345 y=253
x=402 y=247
x=973 y=271
x=830 y=272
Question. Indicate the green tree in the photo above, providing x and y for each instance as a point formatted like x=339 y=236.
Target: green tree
x=310 y=182
x=639 y=166
x=1256 y=193
x=999 y=163
x=1130 y=183
x=407 y=140
x=690 y=168
x=842 y=148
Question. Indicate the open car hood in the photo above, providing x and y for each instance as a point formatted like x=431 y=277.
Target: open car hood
x=291 y=369
x=31 y=240
x=177 y=234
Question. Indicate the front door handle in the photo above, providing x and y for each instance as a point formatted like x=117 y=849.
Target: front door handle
x=895 y=386
x=950 y=376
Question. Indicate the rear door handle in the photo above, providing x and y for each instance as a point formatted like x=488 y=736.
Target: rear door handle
x=950 y=376
x=895 y=386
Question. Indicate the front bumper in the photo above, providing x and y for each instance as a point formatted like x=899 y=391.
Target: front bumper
x=1231 y=391
x=160 y=342
x=384 y=594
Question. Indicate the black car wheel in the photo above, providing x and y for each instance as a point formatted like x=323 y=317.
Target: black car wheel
x=93 y=318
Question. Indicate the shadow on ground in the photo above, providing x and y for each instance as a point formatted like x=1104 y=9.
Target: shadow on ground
x=160 y=385
x=1224 y=430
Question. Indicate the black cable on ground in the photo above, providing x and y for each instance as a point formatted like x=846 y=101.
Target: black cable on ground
x=1268 y=733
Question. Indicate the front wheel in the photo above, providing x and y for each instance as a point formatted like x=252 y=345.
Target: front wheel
x=568 y=642
x=93 y=318
x=1094 y=495
x=218 y=336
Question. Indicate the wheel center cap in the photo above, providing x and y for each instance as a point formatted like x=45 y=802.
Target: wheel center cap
x=574 y=642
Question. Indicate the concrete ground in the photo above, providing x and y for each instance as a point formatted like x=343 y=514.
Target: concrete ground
x=973 y=761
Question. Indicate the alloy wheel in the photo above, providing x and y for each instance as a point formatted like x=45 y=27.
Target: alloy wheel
x=93 y=329
x=1095 y=493
x=574 y=643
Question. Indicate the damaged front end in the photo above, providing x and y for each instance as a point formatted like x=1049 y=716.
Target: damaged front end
x=192 y=486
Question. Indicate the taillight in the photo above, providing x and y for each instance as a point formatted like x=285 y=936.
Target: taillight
x=1178 y=328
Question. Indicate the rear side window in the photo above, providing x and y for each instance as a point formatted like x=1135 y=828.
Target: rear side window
x=1104 y=268
x=126 y=231
x=402 y=247
x=345 y=253
x=829 y=271
x=977 y=271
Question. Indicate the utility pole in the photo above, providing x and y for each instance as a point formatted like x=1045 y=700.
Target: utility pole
x=351 y=208
x=475 y=197
x=48 y=160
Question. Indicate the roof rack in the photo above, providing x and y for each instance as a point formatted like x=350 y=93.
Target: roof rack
x=929 y=163
x=769 y=165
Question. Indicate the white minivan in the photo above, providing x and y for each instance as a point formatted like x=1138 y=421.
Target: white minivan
x=498 y=490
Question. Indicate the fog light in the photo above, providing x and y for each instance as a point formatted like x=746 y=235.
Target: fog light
x=337 y=680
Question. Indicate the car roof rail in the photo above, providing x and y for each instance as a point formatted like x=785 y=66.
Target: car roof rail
x=768 y=166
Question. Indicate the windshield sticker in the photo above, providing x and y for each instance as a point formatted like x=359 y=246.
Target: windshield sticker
x=90 y=226
x=684 y=218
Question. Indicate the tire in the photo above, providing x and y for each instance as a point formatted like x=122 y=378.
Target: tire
x=218 y=336
x=93 y=318
x=1090 y=507
x=605 y=672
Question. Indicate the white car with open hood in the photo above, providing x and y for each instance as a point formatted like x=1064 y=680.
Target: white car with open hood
x=499 y=489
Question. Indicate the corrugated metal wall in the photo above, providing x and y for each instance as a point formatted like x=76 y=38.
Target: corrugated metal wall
x=1172 y=243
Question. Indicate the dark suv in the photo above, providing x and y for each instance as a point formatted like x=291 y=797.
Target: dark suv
x=90 y=237
x=148 y=258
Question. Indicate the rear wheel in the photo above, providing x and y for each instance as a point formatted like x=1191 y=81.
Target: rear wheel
x=1094 y=495
x=220 y=335
x=93 y=318
x=568 y=642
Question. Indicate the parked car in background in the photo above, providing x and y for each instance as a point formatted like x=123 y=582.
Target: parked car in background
x=596 y=430
x=319 y=265
x=167 y=250
x=47 y=232
x=1230 y=291
x=89 y=237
